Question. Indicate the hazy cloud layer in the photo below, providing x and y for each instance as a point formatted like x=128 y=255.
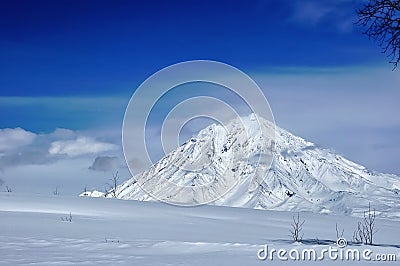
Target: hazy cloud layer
x=350 y=110
x=69 y=175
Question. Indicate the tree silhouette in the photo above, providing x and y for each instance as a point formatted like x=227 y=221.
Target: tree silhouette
x=297 y=228
x=114 y=185
x=381 y=18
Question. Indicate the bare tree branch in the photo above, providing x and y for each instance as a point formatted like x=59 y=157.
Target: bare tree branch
x=297 y=227
x=113 y=186
x=338 y=235
x=381 y=18
x=366 y=230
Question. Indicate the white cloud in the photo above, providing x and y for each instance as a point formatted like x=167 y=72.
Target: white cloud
x=63 y=133
x=19 y=147
x=11 y=139
x=80 y=146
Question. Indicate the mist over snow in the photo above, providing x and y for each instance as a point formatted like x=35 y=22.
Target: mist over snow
x=39 y=162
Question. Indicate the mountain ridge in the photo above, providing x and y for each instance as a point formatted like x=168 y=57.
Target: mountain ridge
x=301 y=176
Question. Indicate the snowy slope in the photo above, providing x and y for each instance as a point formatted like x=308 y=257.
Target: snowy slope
x=118 y=232
x=302 y=176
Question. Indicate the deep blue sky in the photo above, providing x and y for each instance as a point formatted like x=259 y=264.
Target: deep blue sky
x=63 y=48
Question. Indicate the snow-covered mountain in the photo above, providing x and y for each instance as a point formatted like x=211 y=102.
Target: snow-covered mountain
x=301 y=177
